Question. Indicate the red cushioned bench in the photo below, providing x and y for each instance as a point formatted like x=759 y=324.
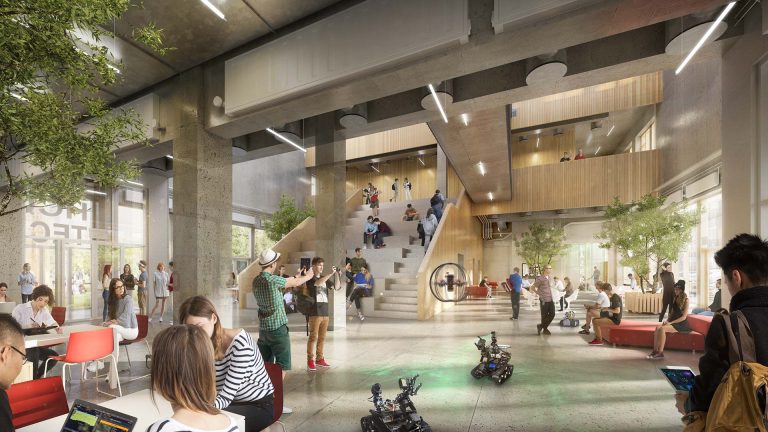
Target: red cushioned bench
x=640 y=333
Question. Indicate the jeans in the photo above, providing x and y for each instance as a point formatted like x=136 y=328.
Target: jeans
x=563 y=301
x=357 y=293
x=26 y=297
x=373 y=236
x=515 y=304
x=258 y=414
x=38 y=356
x=547 y=313
x=105 y=296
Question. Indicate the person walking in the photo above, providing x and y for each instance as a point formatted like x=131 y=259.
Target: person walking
x=142 y=287
x=106 y=278
x=395 y=190
x=543 y=287
x=160 y=284
x=668 y=284
x=407 y=186
x=429 y=223
x=27 y=282
x=516 y=283
x=374 y=199
x=595 y=276
x=437 y=202
x=317 y=289
x=569 y=289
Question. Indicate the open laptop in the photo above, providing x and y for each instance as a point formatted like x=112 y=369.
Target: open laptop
x=87 y=417
x=7 y=307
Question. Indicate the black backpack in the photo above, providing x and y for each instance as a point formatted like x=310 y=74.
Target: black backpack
x=304 y=303
x=435 y=200
x=420 y=230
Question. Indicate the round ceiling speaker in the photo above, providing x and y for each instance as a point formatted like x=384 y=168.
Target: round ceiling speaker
x=683 y=43
x=428 y=101
x=546 y=73
x=353 y=121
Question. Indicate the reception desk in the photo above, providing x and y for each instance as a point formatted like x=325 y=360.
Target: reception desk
x=643 y=303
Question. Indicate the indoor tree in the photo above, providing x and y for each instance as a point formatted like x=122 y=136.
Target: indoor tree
x=286 y=218
x=540 y=244
x=647 y=233
x=53 y=64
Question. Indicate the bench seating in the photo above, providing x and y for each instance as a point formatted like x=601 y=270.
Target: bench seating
x=640 y=333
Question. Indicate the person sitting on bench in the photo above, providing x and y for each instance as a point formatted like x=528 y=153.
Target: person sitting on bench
x=607 y=318
x=594 y=310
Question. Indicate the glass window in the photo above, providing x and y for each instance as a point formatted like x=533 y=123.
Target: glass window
x=241 y=241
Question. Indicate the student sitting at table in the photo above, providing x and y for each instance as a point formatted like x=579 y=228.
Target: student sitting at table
x=183 y=373
x=242 y=384
x=12 y=358
x=32 y=314
x=121 y=316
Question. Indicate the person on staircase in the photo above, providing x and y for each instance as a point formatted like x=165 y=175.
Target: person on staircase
x=382 y=230
x=363 y=288
x=429 y=223
x=370 y=231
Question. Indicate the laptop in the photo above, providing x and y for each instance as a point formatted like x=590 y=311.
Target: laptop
x=7 y=307
x=87 y=417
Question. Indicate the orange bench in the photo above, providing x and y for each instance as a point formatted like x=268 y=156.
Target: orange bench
x=640 y=333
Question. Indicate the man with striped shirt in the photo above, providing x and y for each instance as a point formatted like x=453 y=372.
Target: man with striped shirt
x=274 y=342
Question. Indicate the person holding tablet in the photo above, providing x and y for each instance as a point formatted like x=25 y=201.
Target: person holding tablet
x=183 y=373
x=35 y=314
x=242 y=384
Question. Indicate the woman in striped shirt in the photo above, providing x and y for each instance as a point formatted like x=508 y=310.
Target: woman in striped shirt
x=242 y=383
x=183 y=374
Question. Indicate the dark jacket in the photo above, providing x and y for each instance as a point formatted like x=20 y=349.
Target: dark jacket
x=668 y=282
x=753 y=302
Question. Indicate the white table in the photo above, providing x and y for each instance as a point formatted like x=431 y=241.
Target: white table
x=54 y=338
x=137 y=404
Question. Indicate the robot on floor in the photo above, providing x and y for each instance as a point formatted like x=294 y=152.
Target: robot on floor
x=397 y=415
x=494 y=360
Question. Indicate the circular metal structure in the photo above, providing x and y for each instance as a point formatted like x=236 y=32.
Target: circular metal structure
x=448 y=283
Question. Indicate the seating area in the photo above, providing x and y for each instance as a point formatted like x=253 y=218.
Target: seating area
x=640 y=334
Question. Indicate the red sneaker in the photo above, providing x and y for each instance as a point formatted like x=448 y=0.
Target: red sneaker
x=323 y=363
x=311 y=365
x=596 y=342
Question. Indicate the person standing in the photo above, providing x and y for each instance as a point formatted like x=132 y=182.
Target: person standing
x=160 y=287
x=668 y=284
x=543 y=288
x=274 y=343
x=129 y=280
x=317 y=289
x=27 y=282
x=395 y=189
x=437 y=202
x=407 y=186
x=242 y=383
x=358 y=261
x=569 y=289
x=374 y=198
x=142 y=287
x=595 y=276
x=174 y=283
x=580 y=155
x=367 y=194
x=557 y=292
x=106 y=278
x=234 y=290
x=12 y=357
x=516 y=282
x=429 y=223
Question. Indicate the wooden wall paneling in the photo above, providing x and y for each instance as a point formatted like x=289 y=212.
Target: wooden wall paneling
x=608 y=97
x=458 y=233
x=550 y=149
x=390 y=141
x=422 y=177
x=591 y=182
x=455 y=187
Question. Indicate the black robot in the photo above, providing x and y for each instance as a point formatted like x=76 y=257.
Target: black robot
x=494 y=360
x=397 y=415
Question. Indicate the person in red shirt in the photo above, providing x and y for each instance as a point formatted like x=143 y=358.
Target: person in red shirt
x=580 y=155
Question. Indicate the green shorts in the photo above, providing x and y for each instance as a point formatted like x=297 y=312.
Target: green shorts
x=374 y=204
x=275 y=346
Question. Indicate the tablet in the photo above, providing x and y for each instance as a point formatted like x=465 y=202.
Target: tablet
x=679 y=377
x=33 y=331
x=87 y=417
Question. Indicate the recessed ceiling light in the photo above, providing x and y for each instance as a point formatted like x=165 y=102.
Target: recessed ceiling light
x=214 y=9
x=490 y=196
x=422 y=162
x=282 y=138
x=375 y=169
x=437 y=101
x=465 y=119
x=706 y=36
x=537 y=141
x=609 y=132
x=481 y=167
x=598 y=150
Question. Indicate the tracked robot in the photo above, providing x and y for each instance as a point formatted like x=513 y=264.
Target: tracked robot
x=397 y=415
x=494 y=360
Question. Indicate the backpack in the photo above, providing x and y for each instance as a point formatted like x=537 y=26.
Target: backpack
x=435 y=200
x=394 y=186
x=739 y=403
x=375 y=197
x=420 y=230
x=304 y=303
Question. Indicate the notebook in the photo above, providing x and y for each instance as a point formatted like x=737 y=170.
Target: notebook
x=87 y=417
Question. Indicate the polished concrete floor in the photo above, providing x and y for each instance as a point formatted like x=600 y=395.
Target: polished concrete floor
x=559 y=383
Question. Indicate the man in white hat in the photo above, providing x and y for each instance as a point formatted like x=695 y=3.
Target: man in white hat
x=274 y=342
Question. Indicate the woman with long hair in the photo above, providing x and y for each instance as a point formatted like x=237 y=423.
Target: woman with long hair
x=106 y=277
x=121 y=316
x=161 y=280
x=567 y=293
x=242 y=383
x=676 y=323
x=129 y=280
x=183 y=374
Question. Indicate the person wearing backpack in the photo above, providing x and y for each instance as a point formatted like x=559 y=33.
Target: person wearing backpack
x=744 y=261
x=373 y=197
x=437 y=202
x=317 y=289
x=395 y=188
x=429 y=224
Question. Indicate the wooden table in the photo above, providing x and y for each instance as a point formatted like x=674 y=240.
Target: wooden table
x=52 y=338
x=643 y=303
x=137 y=404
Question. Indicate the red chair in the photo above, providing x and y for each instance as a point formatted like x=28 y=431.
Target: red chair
x=85 y=347
x=37 y=400
x=275 y=373
x=59 y=314
x=143 y=322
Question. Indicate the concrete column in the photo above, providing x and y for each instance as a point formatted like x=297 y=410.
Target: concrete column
x=12 y=258
x=158 y=225
x=441 y=176
x=330 y=202
x=202 y=196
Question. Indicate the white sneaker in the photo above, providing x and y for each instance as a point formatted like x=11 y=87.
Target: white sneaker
x=360 y=315
x=94 y=366
x=161 y=319
x=149 y=320
x=287 y=410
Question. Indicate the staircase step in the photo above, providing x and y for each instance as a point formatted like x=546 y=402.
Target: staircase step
x=400 y=293
x=401 y=287
x=407 y=280
x=392 y=315
x=398 y=300
x=396 y=307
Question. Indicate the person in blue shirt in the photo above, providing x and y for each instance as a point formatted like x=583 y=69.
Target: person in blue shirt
x=516 y=282
x=371 y=229
x=363 y=288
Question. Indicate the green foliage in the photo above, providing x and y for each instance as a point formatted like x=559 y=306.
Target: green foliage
x=286 y=218
x=261 y=242
x=53 y=64
x=647 y=234
x=241 y=241
x=540 y=244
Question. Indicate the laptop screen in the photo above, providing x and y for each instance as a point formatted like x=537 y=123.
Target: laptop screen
x=87 y=417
